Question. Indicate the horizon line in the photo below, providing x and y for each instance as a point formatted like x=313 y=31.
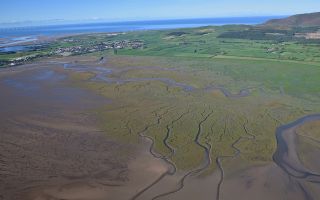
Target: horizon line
x=54 y=22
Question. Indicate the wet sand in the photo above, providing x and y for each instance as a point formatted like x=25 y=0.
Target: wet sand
x=51 y=146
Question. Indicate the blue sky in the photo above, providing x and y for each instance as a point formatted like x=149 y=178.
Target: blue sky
x=115 y=10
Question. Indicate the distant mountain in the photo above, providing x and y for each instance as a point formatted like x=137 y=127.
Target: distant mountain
x=301 y=20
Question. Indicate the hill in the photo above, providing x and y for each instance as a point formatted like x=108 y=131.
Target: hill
x=301 y=20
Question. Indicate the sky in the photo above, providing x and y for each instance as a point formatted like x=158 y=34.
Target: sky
x=124 y=10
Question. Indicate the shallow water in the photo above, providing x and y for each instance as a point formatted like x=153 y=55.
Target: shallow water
x=284 y=147
x=31 y=83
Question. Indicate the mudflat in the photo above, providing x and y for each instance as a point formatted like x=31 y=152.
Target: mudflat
x=52 y=148
x=143 y=128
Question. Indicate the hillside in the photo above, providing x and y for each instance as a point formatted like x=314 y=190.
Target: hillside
x=301 y=20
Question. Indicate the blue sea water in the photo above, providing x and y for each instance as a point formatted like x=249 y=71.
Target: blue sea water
x=126 y=26
x=15 y=35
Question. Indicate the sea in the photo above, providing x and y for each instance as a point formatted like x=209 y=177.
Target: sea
x=12 y=36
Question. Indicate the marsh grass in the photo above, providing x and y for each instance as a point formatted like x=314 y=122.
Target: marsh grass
x=155 y=105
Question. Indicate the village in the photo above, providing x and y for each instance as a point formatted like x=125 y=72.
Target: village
x=102 y=46
x=81 y=49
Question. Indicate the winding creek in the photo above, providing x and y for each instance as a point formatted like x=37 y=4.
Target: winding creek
x=205 y=165
x=102 y=74
x=285 y=156
x=237 y=151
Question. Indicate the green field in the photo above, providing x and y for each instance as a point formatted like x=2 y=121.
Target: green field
x=203 y=42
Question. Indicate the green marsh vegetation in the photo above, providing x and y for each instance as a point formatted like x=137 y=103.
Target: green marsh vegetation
x=280 y=73
x=308 y=145
x=280 y=92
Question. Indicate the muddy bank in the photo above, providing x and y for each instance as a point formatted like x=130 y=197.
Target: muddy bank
x=263 y=182
x=287 y=178
x=51 y=146
x=286 y=156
